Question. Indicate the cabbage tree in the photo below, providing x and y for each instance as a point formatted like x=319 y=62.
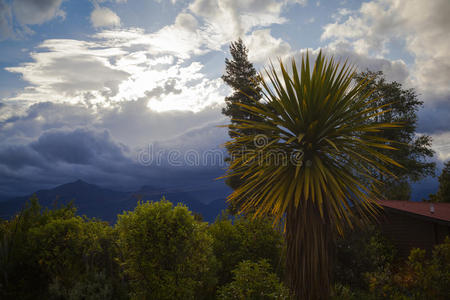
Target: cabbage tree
x=311 y=164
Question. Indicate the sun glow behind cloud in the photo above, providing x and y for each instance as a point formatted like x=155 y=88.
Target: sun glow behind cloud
x=129 y=64
x=101 y=72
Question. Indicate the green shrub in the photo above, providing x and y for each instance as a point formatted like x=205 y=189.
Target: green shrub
x=245 y=239
x=96 y=286
x=358 y=252
x=44 y=254
x=165 y=253
x=419 y=278
x=253 y=280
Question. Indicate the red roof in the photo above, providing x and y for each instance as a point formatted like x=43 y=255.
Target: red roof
x=441 y=210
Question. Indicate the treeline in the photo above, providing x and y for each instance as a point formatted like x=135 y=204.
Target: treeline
x=161 y=251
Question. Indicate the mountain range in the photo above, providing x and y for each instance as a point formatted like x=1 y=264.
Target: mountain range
x=103 y=203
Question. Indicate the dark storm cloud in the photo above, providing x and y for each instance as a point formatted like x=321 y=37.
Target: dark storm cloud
x=80 y=146
x=435 y=116
x=59 y=156
x=51 y=144
x=77 y=147
x=15 y=157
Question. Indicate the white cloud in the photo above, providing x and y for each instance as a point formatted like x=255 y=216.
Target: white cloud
x=394 y=70
x=183 y=38
x=104 y=17
x=263 y=46
x=70 y=70
x=441 y=144
x=205 y=26
x=421 y=25
x=110 y=69
x=36 y=11
x=227 y=20
x=17 y=15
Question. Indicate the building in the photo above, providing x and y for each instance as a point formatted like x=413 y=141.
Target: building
x=415 y=224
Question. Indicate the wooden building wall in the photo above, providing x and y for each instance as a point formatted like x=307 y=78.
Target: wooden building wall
x=407 y=231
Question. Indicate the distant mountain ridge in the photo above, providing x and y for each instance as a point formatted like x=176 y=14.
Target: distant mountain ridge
x=95 y=201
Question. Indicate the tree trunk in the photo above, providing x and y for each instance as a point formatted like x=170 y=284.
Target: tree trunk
x=308 y=238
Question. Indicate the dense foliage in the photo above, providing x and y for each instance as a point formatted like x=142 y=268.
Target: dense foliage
x=413 y=150
x=160 y=251
x=359 y=252
x=252 y=281
x=368 y=269
x=54 y=254
x=165 y=253
x=246 y=239
x=421 y=277
x=443 y=193
x=156 y=251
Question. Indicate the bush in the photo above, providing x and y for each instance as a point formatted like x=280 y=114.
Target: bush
x=254 y=281
x=47 y=253
x=245 y=239
x=358 y=252
x=96 y=286
x=418 y=278
x=165 y=253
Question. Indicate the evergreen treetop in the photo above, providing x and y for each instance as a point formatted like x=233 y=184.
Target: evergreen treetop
x=242 y=77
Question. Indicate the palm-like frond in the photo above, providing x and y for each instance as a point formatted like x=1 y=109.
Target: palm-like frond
x=318 y=122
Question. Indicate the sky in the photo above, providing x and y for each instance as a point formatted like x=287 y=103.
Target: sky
x=125 y=93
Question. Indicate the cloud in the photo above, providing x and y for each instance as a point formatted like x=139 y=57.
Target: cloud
x=129 y=64
x=132 y=123
x=186 y=21
x=32 y=12
x=41 y=146
x=6 y=29
x=70 y=70
x=227 y=20
x=423 y=29
x=434 y=117
x=182 y=39
x=394 y=70
x=263 y=46
x=115 y=68
x=58 y=156
x=204 y=27
x=301 y=2
x=104 y=17
x=80 y=147
x=422 y=26
x=17 y=15
x=441 y=144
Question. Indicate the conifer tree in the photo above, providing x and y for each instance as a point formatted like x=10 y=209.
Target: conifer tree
x=443 y=194
x=242 y=77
